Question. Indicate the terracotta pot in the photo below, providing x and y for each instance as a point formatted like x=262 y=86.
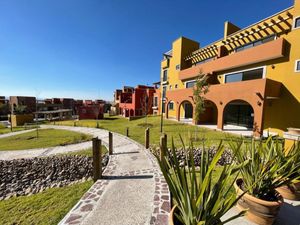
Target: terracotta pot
x=259 y=211
x=291 y=192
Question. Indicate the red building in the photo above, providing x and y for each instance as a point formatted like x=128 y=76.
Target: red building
x=136 y=101
x=90 y=110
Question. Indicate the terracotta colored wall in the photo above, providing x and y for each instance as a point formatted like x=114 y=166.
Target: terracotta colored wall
x=90 y=112
x=253 y=92
x=271 y=50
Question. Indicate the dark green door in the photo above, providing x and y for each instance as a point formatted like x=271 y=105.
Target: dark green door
x=240 y=115
x=188 y=111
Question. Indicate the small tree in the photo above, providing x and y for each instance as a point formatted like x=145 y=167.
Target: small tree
x=200 y=89
x=20 y=109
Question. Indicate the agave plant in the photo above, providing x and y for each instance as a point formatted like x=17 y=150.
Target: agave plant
x=198 y=200
x=268 y=167
x=291 y=156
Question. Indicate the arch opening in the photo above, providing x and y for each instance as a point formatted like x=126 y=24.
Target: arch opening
x=210 y=115
x=186 y=111
x=239 y=114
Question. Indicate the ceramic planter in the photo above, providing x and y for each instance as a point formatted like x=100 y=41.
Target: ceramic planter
x=291 y=192
x=259 y=211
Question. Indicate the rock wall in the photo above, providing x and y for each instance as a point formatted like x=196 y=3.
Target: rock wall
x=181 y=154
x=30 y=176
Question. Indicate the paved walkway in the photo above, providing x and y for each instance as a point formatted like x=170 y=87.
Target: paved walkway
x=39 y=152
x=15 y=133
x=132 y=191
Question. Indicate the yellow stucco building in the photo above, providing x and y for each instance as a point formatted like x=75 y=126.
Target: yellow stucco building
x=254 y=76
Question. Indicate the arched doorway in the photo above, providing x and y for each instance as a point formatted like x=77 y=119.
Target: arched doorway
x=186 y=110
x=210 y=115
x=239 y=113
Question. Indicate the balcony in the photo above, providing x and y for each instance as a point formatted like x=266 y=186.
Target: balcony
x=252 y=91
x=260 y=53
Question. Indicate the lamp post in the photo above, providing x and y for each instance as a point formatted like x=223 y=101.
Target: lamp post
x=163 y=100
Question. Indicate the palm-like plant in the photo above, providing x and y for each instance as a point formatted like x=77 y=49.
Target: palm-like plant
x=198 y=200
x=292 y=156
x=268 y=168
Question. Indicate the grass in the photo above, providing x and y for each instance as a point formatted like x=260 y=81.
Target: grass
x=7 y=130
x=47 y=138
x=48 y=207
x=86 y=152
x=171 y=128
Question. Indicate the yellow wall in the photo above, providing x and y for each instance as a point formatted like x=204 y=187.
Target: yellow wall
x=180 y=48
x=20 y=120
x=285 y=112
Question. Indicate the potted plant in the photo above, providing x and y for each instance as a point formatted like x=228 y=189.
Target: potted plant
x=291 y=190
x=260 y=177
x=197 y=199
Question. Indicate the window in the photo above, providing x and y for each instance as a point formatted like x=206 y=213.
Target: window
x=170 y=87
x=297 y=66
x=171 y=106
x=255 y=43
x=297 y=22
x=155 y=102
x=178 y=67
x=245 y=75
x=176 y=86
x=190 y=84
x=164 y=91
x=165 y=75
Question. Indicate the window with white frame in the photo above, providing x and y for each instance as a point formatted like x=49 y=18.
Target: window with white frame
x=190 y=84
x=171 y=105
x=165 y=75
x=297 y=22
x=297 y=65
x=155 y=101
x=251 y=74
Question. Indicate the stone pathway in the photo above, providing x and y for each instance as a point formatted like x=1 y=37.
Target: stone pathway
x=40 y=152
x=132 y=191
x=15 y=133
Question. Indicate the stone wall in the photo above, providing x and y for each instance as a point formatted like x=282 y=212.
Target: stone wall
x=29 y=176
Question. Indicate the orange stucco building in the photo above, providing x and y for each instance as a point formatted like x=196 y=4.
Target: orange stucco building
x=254 y=76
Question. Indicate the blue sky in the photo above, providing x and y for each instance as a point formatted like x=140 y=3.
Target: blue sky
x=87 y=48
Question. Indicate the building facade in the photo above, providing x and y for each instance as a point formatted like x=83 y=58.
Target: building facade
x=253 y=75
x=136 y=101
x=27 y=101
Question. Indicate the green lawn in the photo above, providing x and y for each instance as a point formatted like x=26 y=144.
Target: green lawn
x=87 y=152
x=8 y=130
x=48 y=207
x=47 y=138
x=171 y=128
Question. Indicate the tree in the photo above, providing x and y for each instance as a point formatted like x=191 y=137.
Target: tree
x=20 y=109
x=200 y=89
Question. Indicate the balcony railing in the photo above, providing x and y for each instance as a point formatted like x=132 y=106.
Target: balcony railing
x=260 y=53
